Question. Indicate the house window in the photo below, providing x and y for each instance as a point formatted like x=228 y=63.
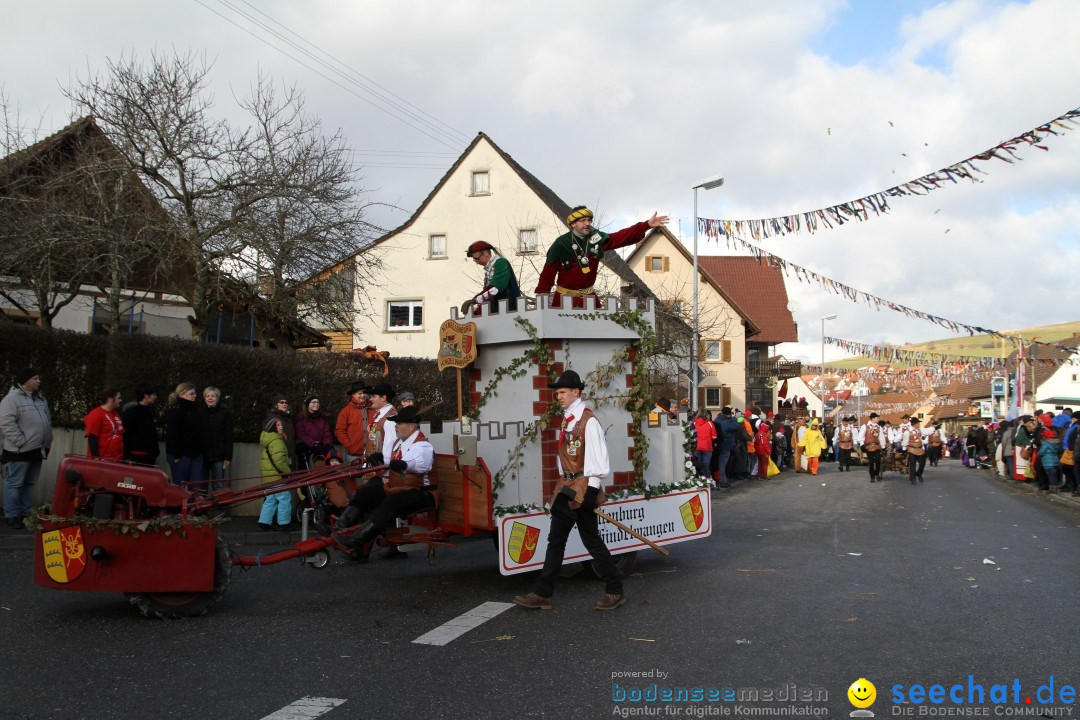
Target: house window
x=676 y=307
x=717 y=351
x=716 y=397
x=527 y=241
x=480 y=183
x=404 y=315
x=436 y=246
x=656 y=263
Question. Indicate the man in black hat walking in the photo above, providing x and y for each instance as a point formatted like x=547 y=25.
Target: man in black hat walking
x=871 y=438
x=583 y=464
x=499 y=279
x=914 y=445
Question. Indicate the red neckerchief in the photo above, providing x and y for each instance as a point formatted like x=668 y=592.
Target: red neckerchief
x=396 y=454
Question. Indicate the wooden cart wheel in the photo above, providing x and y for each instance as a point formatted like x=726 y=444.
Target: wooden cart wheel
x=624 y=563
x=171 y=605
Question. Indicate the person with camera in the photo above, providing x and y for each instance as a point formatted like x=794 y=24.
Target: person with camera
x=583 y=464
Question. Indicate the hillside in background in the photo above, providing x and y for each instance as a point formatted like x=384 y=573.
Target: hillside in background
x=979 y=345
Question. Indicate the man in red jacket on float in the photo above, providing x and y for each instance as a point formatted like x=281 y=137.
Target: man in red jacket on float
x=572 y=260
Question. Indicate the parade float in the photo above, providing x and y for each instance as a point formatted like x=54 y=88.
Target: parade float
x=118 y=527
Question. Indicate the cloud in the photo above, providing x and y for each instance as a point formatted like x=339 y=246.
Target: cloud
x=624 y=105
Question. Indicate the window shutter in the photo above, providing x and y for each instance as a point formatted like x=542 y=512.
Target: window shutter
x=701 y=350
x=666 y=267
x=700 y=397
x=725 y=351
x=725 y=396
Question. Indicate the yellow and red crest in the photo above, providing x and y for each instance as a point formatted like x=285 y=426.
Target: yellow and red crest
x=64 y=553
x=457 y=344
x=692 y=513
x=521 y=545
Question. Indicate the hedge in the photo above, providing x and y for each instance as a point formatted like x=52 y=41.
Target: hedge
x=75 y=366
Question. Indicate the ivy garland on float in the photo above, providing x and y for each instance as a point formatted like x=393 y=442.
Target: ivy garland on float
x=637 y=401
x=135 y=528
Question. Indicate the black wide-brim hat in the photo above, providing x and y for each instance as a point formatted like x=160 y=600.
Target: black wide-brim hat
x=358 y=386
x=408 y=414
x=568 y=379
x=383 y=389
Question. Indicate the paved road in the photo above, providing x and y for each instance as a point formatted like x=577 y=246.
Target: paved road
x=811 y=582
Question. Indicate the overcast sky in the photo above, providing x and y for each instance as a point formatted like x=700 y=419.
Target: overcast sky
x=624 y=105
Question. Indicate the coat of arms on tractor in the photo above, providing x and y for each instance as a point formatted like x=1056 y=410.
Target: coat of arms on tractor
x=64 y=553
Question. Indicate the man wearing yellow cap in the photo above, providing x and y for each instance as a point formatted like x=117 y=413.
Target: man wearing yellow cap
x=572 y=260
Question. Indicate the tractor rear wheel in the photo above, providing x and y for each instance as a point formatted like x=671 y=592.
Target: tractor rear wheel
x=170 y=605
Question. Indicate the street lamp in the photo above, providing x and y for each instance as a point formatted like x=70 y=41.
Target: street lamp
x=827 y=317
x=707 y=184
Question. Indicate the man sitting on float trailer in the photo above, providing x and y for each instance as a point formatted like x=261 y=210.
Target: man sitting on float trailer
x=409 y=488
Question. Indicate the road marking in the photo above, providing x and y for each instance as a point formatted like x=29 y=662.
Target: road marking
x=305 y=708
x=463 y=624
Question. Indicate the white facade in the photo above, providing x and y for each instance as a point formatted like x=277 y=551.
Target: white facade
x=1063 y=384
x=148 y=313
x=426 y=271
x=797 y=387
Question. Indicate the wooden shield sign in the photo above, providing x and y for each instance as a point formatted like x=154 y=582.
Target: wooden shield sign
x=457 y=344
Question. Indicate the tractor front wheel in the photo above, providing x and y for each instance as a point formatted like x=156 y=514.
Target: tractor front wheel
x=169 y=605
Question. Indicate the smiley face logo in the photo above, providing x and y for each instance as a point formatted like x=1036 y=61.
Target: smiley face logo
x=862 y=693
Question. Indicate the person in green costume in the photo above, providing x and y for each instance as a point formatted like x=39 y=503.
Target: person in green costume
x=499 y=279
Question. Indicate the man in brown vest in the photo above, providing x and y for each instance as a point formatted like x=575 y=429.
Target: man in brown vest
x=410 y=487
x=583 y=464
x=845 y=442
x=934 y=442
x=872 y=438
x=915 y=447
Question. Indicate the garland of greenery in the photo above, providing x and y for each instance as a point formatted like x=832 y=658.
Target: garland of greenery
x=538 y=353
x=637 y=402
x=639 y=399
x=689 y=441
x=135 y=528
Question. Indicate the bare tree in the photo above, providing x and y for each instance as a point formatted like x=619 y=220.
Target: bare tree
x=198 y=167
x=251 y=209
x=44 y=260
x=314 y=217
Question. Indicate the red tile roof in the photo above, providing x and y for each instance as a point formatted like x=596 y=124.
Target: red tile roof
x=759 y=289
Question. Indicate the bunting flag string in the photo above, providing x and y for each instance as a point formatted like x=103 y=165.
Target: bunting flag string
x=855 y=295
x=889 y=353
x=878 y=203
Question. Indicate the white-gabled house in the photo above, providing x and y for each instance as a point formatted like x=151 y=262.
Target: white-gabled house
x=485 y=195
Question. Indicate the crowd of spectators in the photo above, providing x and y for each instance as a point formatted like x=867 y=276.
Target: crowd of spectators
x=198 y=433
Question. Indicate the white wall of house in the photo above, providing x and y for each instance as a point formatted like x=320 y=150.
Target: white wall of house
x=797 y=387
x=717 y=320
x=1065 y=383
x=159 y=314
x=438 y=282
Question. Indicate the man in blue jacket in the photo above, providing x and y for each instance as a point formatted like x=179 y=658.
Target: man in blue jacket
x=727 y=432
